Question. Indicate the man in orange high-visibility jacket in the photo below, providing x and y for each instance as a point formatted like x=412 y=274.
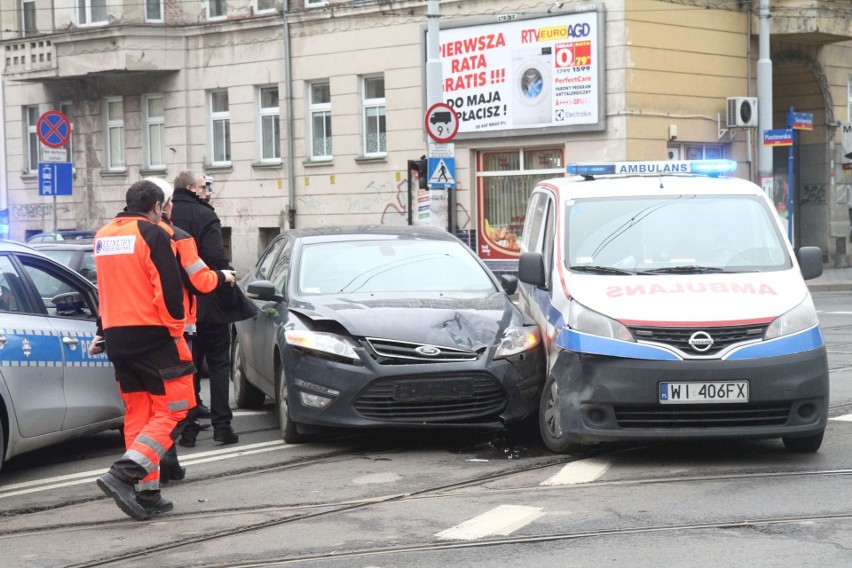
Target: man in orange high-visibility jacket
x=142 y=318
x=197 y=278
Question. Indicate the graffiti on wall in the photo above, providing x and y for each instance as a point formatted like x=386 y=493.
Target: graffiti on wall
x=36 y=211
x=813 y=194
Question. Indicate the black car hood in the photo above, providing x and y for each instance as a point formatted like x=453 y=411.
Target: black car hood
x=469 y=322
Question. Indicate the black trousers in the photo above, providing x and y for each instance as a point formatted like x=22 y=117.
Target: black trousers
x=213 y=342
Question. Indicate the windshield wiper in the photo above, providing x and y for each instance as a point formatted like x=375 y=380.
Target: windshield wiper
x=686 y=269
x=600 y=269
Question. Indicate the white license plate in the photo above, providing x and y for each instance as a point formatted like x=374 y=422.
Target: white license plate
x=684 y=393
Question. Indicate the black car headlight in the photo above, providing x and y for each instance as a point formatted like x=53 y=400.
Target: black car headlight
x=328 y=343
x=517 y=340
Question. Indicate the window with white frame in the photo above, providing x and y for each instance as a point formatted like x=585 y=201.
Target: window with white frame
x=373 y=97
x=220 y=127
x=31 y=115
x=155 y=126
x=114 y=114
x=216 y=9
x=849 y=91
x=67 y=109
x=270 y=133
x=153 y=10
x=28 y=17
x=312 y=3
x=91 y=12
x=262 y=6
x=319 y=102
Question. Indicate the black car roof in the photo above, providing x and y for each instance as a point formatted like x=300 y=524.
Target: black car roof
x=415 y=231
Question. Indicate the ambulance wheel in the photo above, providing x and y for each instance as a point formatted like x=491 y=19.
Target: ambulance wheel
x=288 y=427
x=550 y=421
x=2 y=445
x=246 y=394
x=806 y=445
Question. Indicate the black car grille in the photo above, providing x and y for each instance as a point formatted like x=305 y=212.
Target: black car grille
x=702 y=415
x=436 y=399
x=393 y=352
x=679 y=336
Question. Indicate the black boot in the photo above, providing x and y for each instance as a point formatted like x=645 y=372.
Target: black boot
x=170 y=468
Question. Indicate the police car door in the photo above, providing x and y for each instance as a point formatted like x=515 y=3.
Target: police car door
x=91 y=393
x=30 y=357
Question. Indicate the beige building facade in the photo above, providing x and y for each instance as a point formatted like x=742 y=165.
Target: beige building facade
x=312 y=113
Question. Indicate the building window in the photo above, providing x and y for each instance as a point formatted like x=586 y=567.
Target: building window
x=319 y=100
x=153 y=10
x=216 y=9
x=115 y=133
x=270 y=133
x=262 y=6
x=31 y=115
x=849 y=92
x=220 y=127
x=67 y=109
x=91 y=12
x=155 y=125
x=504 y=180
x=375 y=142
x=312 y=3
x=28 y=14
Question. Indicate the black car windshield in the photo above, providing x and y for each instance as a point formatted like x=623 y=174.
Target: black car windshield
x=392 y=265
x=675 y=234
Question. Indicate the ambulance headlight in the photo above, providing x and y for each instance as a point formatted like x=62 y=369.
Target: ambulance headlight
x=582 y=319
x=798 y=319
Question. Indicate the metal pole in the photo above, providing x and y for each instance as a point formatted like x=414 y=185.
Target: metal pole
x=790 y=184
x=288 y=109
x=764 y=92
x=434 y=72
x=55 y=227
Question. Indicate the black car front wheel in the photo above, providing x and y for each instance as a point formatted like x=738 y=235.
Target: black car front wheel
x=246 y=394
x=289 y=429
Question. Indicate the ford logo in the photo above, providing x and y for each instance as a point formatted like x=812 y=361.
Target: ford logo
x=701 y=341
x=428 y=350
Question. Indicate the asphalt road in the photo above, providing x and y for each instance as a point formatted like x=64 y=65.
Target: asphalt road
x=413 y=498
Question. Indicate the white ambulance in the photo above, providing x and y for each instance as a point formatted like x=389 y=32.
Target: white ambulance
x=672 y=307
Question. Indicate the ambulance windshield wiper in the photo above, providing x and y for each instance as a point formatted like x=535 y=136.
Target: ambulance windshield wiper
x=686 y=269
x=600 y=269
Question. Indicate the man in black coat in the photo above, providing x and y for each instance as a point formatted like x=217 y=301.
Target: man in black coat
x=212 y=340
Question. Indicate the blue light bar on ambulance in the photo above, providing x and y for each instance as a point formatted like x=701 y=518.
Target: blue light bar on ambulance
x=700 y=167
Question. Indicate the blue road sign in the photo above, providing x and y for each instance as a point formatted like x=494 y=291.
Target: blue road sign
x=53 y=129
x=442 y=173
x=55 y=178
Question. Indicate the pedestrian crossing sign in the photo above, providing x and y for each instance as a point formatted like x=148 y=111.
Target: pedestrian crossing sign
x=442 y=173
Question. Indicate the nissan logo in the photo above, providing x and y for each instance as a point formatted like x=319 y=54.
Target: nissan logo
x=701 y=341
x=428 y=350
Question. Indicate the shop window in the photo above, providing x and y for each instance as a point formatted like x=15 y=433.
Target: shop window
x=505 y=179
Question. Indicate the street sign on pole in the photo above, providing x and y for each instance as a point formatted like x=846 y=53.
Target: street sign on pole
x=442 y=122
x=442 y=173
x=55 y=178
x=53 y=129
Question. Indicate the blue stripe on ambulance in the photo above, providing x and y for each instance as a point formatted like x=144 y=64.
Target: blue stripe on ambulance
x=807 y=340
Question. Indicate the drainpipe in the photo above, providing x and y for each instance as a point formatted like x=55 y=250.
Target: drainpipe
x=288 y=109
x=4 y=198
x=764 y=92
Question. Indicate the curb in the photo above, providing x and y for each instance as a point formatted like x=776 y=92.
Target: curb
x=827 y=287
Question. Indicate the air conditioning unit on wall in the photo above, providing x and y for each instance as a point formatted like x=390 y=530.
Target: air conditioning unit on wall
x=742 y=112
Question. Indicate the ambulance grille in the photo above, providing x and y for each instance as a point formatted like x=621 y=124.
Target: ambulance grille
x=678 y=337
x=702 y=416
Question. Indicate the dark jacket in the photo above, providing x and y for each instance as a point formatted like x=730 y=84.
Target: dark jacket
x=199 y=219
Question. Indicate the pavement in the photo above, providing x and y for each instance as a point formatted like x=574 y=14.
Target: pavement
x=832 y=280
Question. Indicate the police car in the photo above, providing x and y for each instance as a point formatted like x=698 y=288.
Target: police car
x=672 y=306
x=51 y=389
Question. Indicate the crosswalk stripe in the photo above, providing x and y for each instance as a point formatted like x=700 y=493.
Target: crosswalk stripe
x=844 y=418
x=502 y=520
x=584 y=471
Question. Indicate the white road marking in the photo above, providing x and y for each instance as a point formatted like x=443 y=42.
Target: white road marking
x=584 y=471
x=46 y=484
x=835 y=313
x=502 y=520
x=844 y=418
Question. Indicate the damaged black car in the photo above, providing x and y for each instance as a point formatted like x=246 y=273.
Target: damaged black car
x=380 y=326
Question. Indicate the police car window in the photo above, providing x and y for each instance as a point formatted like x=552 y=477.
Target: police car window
x=62 y=295
x=88 y=268
x=549 y=237
x=13 y=297
x=537 y=208
x=264 y=267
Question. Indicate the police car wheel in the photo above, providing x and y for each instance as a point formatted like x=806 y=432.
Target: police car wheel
x=289 y=429
x=550 y=421
x=806 y=445
x=246 y=394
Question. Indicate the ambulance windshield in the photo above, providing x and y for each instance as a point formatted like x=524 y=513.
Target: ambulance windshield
x=683 y=234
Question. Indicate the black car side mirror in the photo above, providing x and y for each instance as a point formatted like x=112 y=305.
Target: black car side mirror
x=810 y=262
x=531 y=269
x=263 y=290
x=509 y=283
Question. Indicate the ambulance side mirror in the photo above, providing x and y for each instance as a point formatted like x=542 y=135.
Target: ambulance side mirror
x=810 y=262
x=531 y=269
